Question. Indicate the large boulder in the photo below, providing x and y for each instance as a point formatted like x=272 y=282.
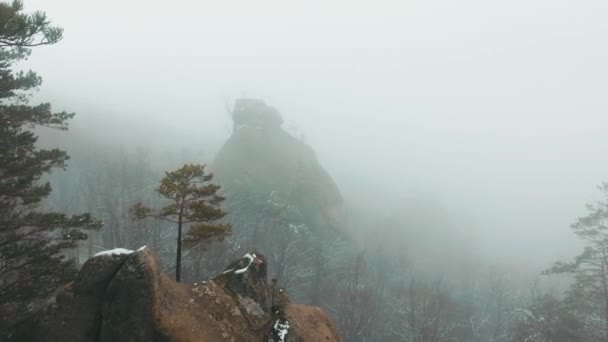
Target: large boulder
x=126 y=297
x=81 y=301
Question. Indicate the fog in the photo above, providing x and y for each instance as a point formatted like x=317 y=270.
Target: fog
x=497 y=110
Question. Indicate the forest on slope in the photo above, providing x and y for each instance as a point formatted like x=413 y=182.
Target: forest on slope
x=387 y=266
x=409 y=275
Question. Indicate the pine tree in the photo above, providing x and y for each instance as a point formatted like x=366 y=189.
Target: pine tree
x=32 y=242
x=588 y=295
x=193 y=202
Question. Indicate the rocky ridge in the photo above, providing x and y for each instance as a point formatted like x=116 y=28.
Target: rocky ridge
x=124 y=296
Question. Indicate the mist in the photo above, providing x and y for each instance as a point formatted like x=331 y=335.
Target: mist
x=495 y=109
x=481 y=124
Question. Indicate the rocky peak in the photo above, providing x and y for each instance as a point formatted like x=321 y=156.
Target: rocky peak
x=126 y=297
x=262 y=161
x=255 y=113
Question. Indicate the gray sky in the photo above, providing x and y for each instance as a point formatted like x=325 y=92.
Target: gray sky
x=497 y=108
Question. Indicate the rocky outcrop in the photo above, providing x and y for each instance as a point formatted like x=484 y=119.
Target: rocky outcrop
x=280 y=199
x=126 y=297
x=255 y=113
x=264 y=162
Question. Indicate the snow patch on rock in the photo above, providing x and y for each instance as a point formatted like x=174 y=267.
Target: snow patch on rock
x=281 y=329
x=115 y=251
x=244 y=269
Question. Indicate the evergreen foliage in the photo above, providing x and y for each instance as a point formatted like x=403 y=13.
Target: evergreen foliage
x=33 y=242
x=588 y=295
x=193 y=202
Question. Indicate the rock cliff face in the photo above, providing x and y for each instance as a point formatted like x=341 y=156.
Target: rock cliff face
x=126 y=297
x=264 y=161
x=280 y=200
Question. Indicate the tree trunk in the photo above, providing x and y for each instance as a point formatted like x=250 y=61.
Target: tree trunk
x=198 y=257
x=605 y=308
x=178 y=260
x=605 y=285
x=156 y=237
x=254 y=237
x=604 y=263
x=92 y=236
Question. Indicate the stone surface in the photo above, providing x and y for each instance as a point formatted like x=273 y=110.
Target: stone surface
x=261 y=158
x=81 y=302
x=310 y=324
x=128 y=298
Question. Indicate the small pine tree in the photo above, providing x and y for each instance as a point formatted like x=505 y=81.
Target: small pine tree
x=32 y=242
x=193 y=202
